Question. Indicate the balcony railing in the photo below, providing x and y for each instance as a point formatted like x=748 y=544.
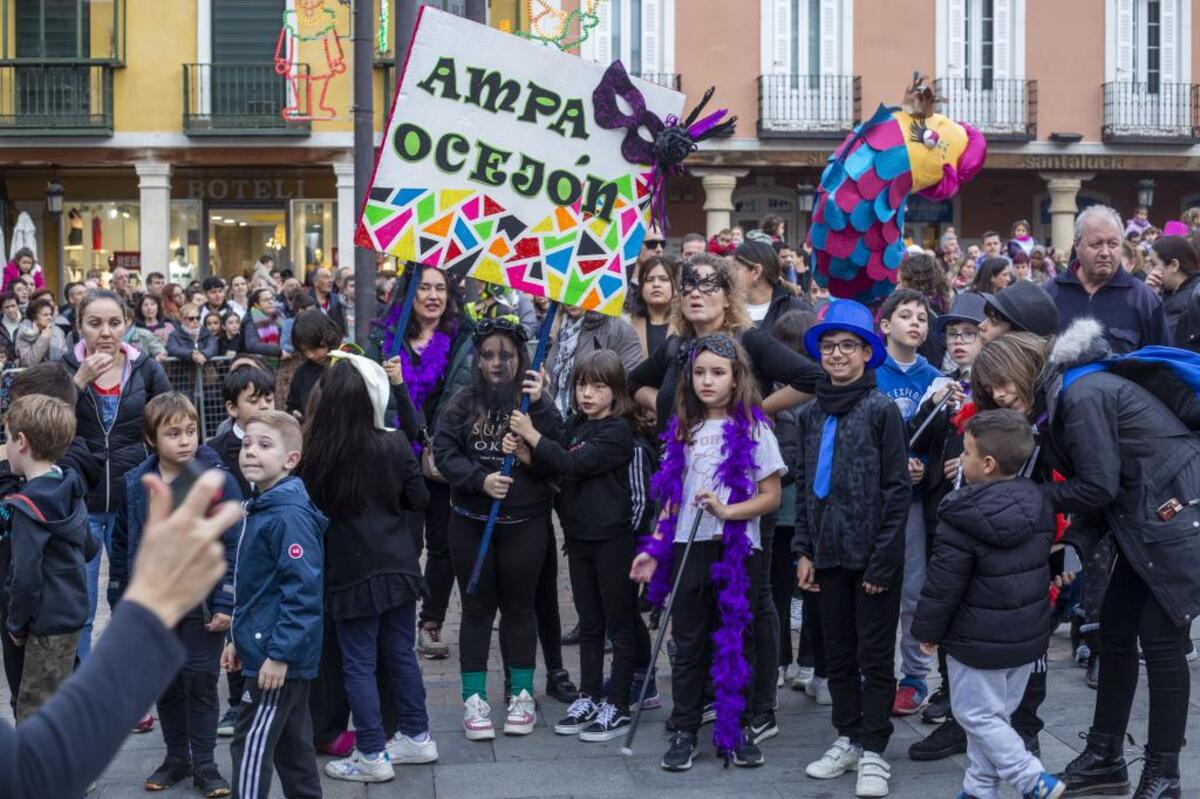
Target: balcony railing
x=1004 y=109
x=1150 y=112
x=668 y=79
x=239 y=100
x=808 y=106
x=56 y=99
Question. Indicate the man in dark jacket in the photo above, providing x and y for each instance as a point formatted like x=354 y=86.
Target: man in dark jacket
x=1095 y=285
x=1132 y=469
x=1181 y=301
x=985 y=600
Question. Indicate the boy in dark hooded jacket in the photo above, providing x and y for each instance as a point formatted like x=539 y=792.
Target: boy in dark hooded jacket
x=986 y=600
x=47 y=591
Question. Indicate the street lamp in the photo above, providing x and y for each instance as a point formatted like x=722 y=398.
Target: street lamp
x=1145 y=192
x=54 y=205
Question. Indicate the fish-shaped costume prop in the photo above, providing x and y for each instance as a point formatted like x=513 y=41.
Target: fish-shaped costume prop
x=858 y=218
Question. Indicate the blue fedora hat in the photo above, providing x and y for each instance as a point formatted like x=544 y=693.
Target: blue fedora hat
x=852 y=317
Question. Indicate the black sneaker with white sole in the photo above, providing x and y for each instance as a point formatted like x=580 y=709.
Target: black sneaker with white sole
x=763 y=727
x=611 y=722
x=747 y=754
x=679 y=754
x=580 y=714
x=937 y=710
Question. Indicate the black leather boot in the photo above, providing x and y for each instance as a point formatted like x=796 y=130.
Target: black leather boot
x=1160 y=777
x=559 y=686
x=1099 y=769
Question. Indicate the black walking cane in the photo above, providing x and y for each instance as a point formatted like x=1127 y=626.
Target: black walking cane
x=627 y=749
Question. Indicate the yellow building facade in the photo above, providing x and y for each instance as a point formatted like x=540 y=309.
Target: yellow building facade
x=189 y=137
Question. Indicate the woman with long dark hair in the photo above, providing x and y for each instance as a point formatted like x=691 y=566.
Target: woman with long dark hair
x=650 y=311
x=468 y=450
x=436 y=348
x=1175 y=269
x=365 y=478
x=992 y=276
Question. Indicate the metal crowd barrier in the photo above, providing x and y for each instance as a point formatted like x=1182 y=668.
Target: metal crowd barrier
x=202 y=383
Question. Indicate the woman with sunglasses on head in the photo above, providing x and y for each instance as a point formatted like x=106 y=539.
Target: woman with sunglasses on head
x=468 y=450
x=710 y=302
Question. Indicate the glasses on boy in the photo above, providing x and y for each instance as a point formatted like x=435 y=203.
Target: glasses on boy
x=845 y=347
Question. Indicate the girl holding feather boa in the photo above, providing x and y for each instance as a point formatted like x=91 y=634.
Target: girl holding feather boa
x=722 y=460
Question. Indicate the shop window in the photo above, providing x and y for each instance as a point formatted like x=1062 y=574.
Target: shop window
x=314 y=235
x=184 y=245
x=99 y=236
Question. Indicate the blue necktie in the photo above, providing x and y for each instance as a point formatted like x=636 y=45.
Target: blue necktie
x=825 y=459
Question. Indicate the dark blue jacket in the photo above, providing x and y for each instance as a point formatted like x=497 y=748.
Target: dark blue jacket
x=278 y=583
x=1132 y=314
x=131 y=517
x=47 y=592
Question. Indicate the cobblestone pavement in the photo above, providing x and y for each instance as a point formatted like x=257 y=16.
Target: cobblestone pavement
x=548 y=765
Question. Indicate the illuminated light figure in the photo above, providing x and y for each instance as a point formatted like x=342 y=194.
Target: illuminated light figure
x=310 y=22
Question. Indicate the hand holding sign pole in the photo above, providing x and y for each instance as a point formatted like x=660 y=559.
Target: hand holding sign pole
x=512 y=163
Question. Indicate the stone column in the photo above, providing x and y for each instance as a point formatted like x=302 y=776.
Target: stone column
x=718 y=184
x=154 y=216
x=1064 y=188
x=347 y=211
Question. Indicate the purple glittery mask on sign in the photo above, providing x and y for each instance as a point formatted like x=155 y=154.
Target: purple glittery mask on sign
x=671 y=141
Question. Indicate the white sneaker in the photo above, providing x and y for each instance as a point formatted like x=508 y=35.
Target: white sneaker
x=841 y=757
x=522 y=715
x=360 y=768
x=782 y=677
x=873 y=775
x=477 y=725
x=817 y=689
x=797 y=613
x=798 y=676
x=402 y=749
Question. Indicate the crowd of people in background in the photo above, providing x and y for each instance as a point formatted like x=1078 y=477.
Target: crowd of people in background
x=817 y=481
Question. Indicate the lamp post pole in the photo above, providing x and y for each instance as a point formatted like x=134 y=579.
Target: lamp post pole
x=364 y=161
x=54 y=204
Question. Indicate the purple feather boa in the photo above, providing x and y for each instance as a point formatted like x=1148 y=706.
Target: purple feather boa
x=730 y=671
x=422 y=378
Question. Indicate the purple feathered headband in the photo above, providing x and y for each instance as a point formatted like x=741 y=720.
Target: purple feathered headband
x=671 y=141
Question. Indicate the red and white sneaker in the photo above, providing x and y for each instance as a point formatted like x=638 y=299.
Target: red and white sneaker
x=145 y=724
x=911 y=696
x=522 y=715
x=477 y=724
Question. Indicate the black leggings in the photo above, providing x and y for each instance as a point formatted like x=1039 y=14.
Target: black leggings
x=783 y=584
x=545 y=604
x=606 y=601
x=766 y=625
x=508 y=583
x=1129 y=613
x=439 y=574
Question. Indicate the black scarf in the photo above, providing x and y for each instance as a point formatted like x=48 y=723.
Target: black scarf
x=838 y=400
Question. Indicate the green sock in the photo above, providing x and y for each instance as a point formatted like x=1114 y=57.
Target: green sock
x=521 y=679
x=475 y=682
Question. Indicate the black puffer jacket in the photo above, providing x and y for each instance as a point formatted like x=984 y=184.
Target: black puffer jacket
x=1124 y=455
x=118 y=447
x=860 y=525
x=1182 y=307
x=782 y=301
x=986 y=595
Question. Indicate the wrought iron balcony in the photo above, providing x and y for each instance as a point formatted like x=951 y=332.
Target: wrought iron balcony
x=1004 y=109
x=56 y=99
x=668 y=79
x=808 y=106
x=1149 y=113
x=240 y=100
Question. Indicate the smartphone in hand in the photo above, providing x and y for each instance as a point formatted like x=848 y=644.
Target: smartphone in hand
x=187 y=478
